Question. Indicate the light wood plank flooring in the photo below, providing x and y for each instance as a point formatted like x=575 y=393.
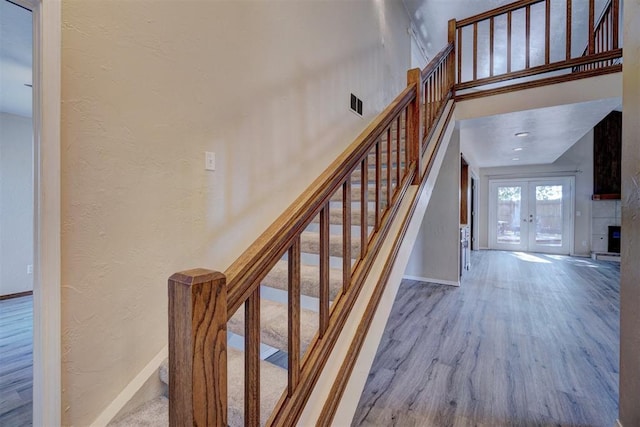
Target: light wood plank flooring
x=527 y=340
x=16 y=361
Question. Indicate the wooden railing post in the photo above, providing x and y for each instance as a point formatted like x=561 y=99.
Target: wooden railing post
x=452 y=62
x=197 y=349
x=414 y=122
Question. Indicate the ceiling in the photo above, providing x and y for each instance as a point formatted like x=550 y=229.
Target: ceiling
x=490 y=141
x=15 y=59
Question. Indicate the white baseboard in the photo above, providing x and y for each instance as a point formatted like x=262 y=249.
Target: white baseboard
x=483 y=248
x=129 y=392
x=430 y=280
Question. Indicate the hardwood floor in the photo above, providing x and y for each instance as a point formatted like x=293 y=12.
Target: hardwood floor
x=16 y=361
x=527 y=340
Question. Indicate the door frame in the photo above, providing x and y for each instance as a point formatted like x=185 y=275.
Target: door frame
x=47 y=25
x=527 y=180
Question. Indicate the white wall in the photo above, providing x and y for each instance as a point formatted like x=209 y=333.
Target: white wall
x=435 y=255
x=147 y=88
x=578 y=157
x=630 y=243
x=16 y=203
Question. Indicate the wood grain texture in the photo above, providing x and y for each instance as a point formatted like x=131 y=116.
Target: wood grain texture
x=496 y=12
x=416 y=116
x=525 y=341
x=197 y=348
x=293 y=319
x=541 y=82
x=252 y=360
x=16 y=361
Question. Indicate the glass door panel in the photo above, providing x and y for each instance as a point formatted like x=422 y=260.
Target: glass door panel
x=531 y=215
x=509 y=208
x=548 y=208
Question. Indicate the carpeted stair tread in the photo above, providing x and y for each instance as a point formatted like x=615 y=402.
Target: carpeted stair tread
x=274 y=326
x=153 y=413
x=335 y=216
x=310 y=243
x=309 y=279
x=273 y=381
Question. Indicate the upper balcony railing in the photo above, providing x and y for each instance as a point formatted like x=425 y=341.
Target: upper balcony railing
x=536 y=42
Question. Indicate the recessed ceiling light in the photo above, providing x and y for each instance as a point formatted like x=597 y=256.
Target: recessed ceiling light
x=522 y=134
x=518 y=149
x=516 y=158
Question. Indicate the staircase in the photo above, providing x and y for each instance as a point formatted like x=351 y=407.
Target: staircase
x=273 y=291
x=247 y=346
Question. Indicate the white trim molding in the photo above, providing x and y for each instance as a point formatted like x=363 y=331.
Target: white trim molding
x=116 y=406
x=618 y=424
x=436 y=281
x=47 y=25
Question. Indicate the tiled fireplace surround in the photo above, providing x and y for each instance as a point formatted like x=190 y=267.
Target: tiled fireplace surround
x=603 y=214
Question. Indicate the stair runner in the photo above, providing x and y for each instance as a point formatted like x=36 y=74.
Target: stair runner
x=273 y=309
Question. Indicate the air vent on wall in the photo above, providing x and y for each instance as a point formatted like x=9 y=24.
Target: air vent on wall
x=356 y=105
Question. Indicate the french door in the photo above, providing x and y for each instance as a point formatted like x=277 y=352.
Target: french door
x=533 y=215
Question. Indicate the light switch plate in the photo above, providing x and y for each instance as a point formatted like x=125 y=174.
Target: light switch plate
x=210 y=161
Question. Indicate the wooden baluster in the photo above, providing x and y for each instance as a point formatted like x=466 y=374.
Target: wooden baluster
x=413 y=127
x=491 y=47
x=198 y=348
x=346 y=234
x=378 y=182
x=364 y=206
x=425 y=107
x=460 y=55
x=568 y=44
x=547 y=32
x=475 y=51
x=433 y=100
x=398 y=150
x=407 y=134
x=294 y=316
x=252 y=360
x=528 y=37
x=509 y=42
x=615 y=12
x=389 y=167
x=324 y=269
x=592 y=43
x=451 y=58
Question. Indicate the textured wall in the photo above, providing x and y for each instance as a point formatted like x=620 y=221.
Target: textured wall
x=148 y=87
x=630 y=269
x=16 y=203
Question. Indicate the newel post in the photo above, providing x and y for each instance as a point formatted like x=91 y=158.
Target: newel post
x=415 y=123
x=197 y=349
x=451 y=72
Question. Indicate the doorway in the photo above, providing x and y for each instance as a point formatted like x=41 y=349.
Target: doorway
x=17 y=214
x=531 y=215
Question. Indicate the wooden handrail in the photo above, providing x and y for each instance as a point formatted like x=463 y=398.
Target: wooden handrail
x=202 y=302
x=496 y=12
x=244 y=274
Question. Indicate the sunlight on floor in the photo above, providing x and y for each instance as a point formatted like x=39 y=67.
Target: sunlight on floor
x=530 y=258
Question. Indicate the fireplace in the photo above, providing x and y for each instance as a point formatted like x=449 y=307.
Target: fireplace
x=613 y=244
